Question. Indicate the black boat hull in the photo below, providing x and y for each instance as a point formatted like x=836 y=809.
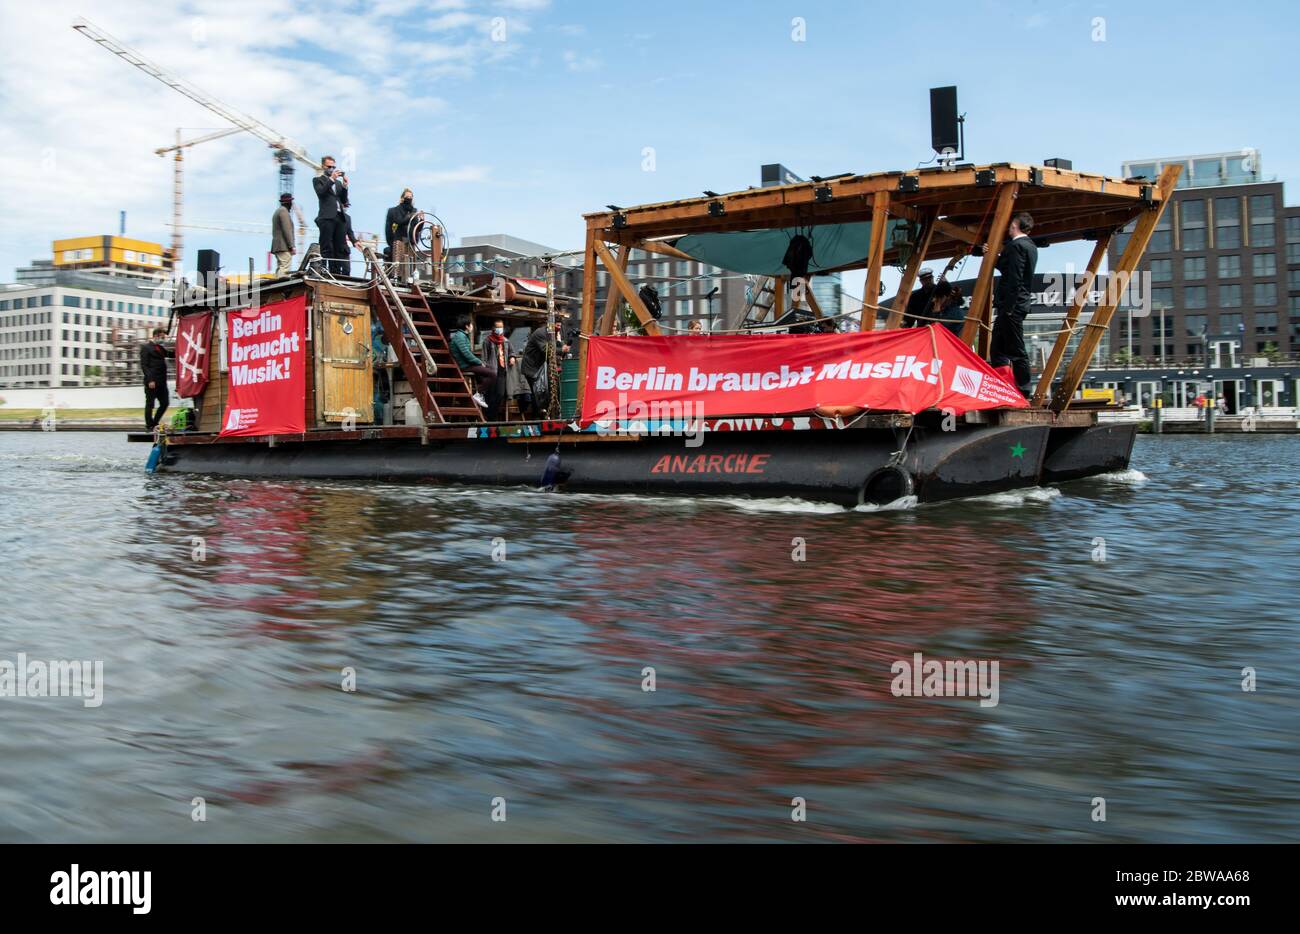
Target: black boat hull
x=846 y=467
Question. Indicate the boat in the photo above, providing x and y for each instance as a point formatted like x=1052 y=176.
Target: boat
x=862 y=440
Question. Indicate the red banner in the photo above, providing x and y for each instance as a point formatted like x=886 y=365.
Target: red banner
x=193 y=341
x=267 y=356
x=903 y=370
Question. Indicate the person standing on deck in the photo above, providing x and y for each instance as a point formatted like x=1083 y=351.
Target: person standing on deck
x=462 y=351
x=918 y=303
x=153 y=364
x=1012 y=300
x=331 y=191
x=282 y=235
x=397 y=232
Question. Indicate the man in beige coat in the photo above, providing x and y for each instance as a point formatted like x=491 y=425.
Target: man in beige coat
x=282 y=235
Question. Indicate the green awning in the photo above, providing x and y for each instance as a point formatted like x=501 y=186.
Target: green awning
x=759 y=252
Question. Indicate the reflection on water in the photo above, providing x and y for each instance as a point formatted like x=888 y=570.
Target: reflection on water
x=522 y=678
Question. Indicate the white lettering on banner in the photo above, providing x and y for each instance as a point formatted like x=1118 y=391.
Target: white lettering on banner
x=658 y=378
x=263 y=324
x=284 y=344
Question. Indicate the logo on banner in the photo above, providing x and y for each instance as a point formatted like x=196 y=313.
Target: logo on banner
x=967 y=382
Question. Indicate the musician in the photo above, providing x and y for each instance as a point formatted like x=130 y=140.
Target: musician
x=918 y=303
x=397 y=233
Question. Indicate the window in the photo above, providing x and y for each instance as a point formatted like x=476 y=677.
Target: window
x=72 y=301
x=1263 y=234
x=1261 y=209
x=1195 y=325
x=1230 y=266
x=1227 y=223
x=1293 y=252
x=1264 y=264
x=1194 y=296
x=1163 y=297
x=1194 y=239
x=1230 y=296
x=1193 y=267
x=1227 y=238
x=1266 y=322
x=1293 y=229
x=1229 y=324
x=1162 y=240
x=1265 y=294
x=1293 y=280
x=1162 y=270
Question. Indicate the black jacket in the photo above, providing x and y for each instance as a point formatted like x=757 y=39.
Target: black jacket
x=396 y=223
x=330 y=195
x=1015 y=268
x=153 y=361
x=534 y=355
x=918 y=303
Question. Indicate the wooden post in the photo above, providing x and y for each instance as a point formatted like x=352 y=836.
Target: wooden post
x=983 y=295
x=1137 y=245
x=875 y=258
x=812 y=299
x=778 y=298
x=611 y=298
x=909 y=274
x=588 y=319
x=1076 y=307
x=624 y=285
x=435 y=255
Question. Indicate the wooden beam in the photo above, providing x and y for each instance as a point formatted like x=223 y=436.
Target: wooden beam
x=875 y=258
x=811 y=298
x=1071 y=316
x=587 y=320
x=611 y=298
x=909 y=275
x=1133 y=250
x=984 y=284
x=624 y=285
x=778 y=298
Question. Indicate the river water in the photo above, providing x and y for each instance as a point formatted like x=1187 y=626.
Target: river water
x=516 y=687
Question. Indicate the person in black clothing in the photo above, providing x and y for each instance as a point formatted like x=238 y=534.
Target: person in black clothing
x=397 y=233
x=918 y=303
x=332 y=191
x=947 y=306
x=1011 y=300
x=153 y=364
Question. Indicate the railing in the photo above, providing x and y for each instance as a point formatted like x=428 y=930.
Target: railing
x=395 y=300
x=1243 y=360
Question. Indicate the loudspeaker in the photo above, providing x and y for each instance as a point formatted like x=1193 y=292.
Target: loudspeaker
x=209 y=264
x=943 y=119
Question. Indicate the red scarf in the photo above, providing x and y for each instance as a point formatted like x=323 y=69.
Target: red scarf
x=500 y=341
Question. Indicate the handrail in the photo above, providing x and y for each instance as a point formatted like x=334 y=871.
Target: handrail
x=430 y=366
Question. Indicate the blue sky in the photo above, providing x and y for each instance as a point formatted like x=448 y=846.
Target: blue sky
x=523 y=135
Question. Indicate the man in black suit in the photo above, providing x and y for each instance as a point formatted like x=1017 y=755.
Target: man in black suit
x=332 y=191
x=1012 y=300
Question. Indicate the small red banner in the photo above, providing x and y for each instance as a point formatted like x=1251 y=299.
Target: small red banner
x=267 y=350
x=904 y=370
x=193 y=343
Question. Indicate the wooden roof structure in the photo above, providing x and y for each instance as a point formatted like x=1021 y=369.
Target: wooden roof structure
x=951 y=210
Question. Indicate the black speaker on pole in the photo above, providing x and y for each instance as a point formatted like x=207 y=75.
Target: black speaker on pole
x=944 y=127
x=209 y=264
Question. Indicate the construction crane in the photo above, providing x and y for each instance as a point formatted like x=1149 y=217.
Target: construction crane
x=286 y=150
x=178 y=196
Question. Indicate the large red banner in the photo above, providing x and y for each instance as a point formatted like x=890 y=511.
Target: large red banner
x=193 y=342
x=267 y=350
x=905 y=370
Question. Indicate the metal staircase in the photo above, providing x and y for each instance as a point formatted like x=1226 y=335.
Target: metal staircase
x=413 y=332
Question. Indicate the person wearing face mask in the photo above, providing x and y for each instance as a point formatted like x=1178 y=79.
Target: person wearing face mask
x=500 y=358
x=397 y=232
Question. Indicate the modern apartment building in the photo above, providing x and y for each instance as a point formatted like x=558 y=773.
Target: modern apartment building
x=78 y=318
x=1224 y=265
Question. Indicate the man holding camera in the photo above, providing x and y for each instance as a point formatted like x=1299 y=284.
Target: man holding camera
x=332 y=191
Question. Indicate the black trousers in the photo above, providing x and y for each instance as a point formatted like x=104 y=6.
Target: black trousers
x=1008 y=346
x=158 y=395
x=334 y=245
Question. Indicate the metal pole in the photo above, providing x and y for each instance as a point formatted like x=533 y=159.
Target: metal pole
x=1162 y=335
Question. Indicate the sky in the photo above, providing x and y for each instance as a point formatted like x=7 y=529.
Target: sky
x=517 y=116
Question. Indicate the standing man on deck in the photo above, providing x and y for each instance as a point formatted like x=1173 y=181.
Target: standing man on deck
x=397 y=231
x=153 y=364
x=331 y=191
x=918 y=303
x=282 y=235
x=1012 y=301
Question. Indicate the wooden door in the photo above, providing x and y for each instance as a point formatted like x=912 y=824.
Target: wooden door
x=343 y=360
